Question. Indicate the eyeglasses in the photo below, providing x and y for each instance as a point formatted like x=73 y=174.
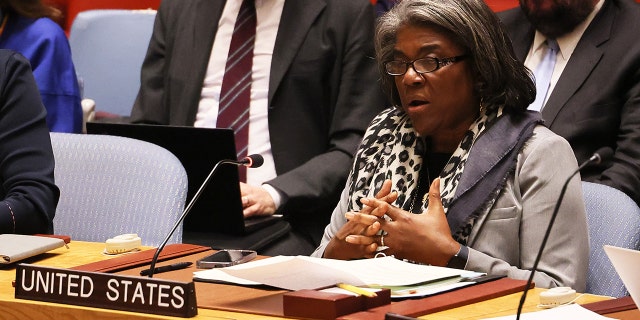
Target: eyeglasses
x=422 y=65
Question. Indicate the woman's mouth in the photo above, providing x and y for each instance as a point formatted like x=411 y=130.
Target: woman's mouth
x=417 y=103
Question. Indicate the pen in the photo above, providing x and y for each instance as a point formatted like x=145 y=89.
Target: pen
x=170 y=267
x=357 y=290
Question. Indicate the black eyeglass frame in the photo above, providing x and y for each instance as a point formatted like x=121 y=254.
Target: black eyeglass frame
x=439 y=63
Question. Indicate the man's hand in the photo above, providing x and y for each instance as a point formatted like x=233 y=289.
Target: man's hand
x=256 y=201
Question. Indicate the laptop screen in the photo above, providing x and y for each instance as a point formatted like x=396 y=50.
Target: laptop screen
x=626 y=262
x=219 y=208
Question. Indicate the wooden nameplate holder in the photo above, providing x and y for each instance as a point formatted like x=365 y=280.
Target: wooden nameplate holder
x=94 y=284
x=314 y=304
x=105 y=290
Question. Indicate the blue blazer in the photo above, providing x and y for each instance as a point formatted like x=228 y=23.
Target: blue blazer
x=43 y=42
x=28 y=195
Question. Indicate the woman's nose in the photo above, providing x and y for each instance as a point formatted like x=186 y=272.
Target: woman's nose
x=412 y=77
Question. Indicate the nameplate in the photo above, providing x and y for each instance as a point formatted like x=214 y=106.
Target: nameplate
x=105 y=290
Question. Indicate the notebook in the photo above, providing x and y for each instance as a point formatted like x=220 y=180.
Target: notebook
x=16 y=247
x=219 y=207
x=626 y=262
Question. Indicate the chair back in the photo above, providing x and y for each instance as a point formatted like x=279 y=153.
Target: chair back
x=108 y=48
x=114 y=185
x=613 y=219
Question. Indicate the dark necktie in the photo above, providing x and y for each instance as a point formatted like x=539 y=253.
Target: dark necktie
x=235 y=94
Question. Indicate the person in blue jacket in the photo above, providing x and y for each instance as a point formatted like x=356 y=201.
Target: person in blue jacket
x=27 y=27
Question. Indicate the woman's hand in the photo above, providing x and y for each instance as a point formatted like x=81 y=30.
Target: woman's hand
x=256 y=201
x=421 y=237
x=357 y=238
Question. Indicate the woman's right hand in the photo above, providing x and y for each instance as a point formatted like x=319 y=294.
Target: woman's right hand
x=363 y=226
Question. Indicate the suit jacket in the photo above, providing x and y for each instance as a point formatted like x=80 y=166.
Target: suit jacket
x=506 y=239
x=596 y=101
x=28 y=195
x=323 y=91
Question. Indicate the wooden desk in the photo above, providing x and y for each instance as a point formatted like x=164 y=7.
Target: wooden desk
x=229 y=297
x=79 y=253
x=502 y=306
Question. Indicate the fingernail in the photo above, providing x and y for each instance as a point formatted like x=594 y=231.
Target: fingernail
x=349 y=239
x=349 y=215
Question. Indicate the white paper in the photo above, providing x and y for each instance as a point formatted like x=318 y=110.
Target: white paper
x=572 y=311
x=301 y=272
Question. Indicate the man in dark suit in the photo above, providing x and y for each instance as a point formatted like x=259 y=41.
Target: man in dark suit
x=322 y=93
x=594 y=97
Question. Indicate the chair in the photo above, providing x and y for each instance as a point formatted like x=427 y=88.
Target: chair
x=108 y=48
x=613 y=219
x=71 y=8
x=114 y=185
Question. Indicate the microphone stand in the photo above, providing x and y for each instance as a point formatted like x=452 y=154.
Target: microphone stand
x=188 y=209
x=597 y=157
x=544 y=240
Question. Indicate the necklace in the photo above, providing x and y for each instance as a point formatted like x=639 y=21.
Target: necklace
x=420 y=188
x=431 y=161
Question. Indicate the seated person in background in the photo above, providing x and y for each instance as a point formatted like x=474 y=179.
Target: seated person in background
x=27 y=191
x=27 y=28
x=313 y=89
x=475 y=175
x=594 y=95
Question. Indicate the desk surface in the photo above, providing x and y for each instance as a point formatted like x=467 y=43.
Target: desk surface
x=79 y=253
x=86 y=252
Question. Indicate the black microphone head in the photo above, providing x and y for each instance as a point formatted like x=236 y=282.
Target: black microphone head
x=253 y=161
x=602 y=154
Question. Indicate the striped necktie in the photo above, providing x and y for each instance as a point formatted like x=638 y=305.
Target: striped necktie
x=543 y=74
x=235 y=94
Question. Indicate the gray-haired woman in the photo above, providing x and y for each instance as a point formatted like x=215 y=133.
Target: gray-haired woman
x=475 y=177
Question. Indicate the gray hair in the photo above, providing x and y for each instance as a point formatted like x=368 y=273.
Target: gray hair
x=500 y=78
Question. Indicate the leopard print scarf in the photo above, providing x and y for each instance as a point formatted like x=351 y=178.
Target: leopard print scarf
x=391 y=149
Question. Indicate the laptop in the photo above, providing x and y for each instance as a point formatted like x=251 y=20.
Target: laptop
x=219 y=207
x=626 y=262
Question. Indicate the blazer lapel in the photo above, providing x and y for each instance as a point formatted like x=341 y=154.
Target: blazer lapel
x=491 y=158
x=196 y=40
x=204 y=30
x=584 y=59
x=297 y=19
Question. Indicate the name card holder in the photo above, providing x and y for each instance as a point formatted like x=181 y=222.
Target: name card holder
x=315 y=304
x=105 y=290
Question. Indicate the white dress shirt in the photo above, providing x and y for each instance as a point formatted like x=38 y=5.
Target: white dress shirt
x=268 y=13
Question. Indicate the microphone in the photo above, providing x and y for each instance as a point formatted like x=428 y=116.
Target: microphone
x=251 y=161
x=602 y=154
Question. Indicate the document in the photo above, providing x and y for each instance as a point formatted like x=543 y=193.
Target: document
x=302 y=272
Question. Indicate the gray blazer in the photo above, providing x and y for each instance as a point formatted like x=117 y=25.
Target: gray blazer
x=506 y=239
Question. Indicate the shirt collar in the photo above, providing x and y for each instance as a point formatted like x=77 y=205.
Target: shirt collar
x=568 y=42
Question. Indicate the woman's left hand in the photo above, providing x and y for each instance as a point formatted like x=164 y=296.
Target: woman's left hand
x=357 y=238
x=424 y=237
